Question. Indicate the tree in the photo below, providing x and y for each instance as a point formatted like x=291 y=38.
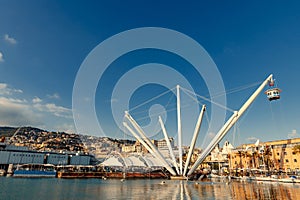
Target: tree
x=296 y=149
x=267 y=157
x=255 y=158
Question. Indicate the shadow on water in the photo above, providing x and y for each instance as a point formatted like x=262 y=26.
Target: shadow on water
x=19 y=188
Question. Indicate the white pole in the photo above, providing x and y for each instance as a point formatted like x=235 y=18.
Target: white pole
x=211 y=145
x=193 y=142
x=168 y=144
x=179 y=129
x=151 y=145
x=232 y=120
x=139 y=139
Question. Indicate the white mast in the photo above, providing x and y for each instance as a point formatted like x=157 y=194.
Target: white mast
x=150 y=144
x=195 y=135
x=139 y=138
x=179 y=129
x=232 y=120
x=168 y=144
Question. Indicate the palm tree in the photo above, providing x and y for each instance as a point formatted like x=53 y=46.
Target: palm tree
x=248 y=157
x=240 y=156
x=267 y=154
x=255 y=156
x=296 y=149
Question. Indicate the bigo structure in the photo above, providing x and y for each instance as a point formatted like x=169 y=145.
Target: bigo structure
x=185 y=171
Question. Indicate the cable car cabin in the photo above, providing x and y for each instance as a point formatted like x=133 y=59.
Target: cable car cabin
x=273 y=94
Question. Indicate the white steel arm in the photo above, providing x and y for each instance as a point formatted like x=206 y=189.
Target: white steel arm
x=150 y=144
x=168 y=144
x=232 y=120
x=195 y=135
x=179 y=129
x=138 y=138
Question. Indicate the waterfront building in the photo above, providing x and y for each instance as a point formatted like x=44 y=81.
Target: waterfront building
x=139 y=148
x=279 y=155
x=128 y=148
x=163 y=147
x=16 y=155
x=219 y=158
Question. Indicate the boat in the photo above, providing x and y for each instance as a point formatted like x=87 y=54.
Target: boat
x=78 y=171
x=178 y=178
x=80 y=174
x=35 y=171
x=248 y=178
x=297 y=180
x=287 y=180
x=216 y=176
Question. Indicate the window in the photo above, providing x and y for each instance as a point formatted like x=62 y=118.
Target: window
x=277 y=153
x=285 y=153
x=286 y=160
x=295 y=160
x=278 y=160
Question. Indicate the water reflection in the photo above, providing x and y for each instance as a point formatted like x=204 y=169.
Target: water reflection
x=187 y=190
x=11 y=188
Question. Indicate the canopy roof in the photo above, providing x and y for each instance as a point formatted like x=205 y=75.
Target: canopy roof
x=132 y=161
x=112 y=162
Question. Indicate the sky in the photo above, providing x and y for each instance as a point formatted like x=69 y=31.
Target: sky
x=45 y=44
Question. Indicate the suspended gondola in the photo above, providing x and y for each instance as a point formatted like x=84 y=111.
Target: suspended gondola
x=273 y=93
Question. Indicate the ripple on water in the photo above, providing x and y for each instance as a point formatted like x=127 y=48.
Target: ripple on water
x=18 y=188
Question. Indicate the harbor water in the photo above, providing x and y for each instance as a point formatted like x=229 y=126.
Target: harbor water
x=53 y=188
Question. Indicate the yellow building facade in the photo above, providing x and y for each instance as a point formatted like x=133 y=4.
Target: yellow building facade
x=280 y=155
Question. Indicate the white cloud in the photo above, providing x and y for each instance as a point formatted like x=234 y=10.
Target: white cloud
x=36 y=100
x=1 y=57
x=16 y=112
x=65 y=127
x=211 y=135
x=3 y=86
x=9 y=39
x=53 y=96
x=252 y=139
x=17 y=100
x=293 y=134
x=58 y=111
x=6 y=90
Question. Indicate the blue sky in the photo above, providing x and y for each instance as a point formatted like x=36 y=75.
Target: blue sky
x=44 y=43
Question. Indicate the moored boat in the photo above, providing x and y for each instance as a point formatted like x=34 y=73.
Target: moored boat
x=35 y=171
x=297 y=180
x=287 y=180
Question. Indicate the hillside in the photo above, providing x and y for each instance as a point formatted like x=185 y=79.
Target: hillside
x=38 y=139
x=9 y=131
x=42 y=140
